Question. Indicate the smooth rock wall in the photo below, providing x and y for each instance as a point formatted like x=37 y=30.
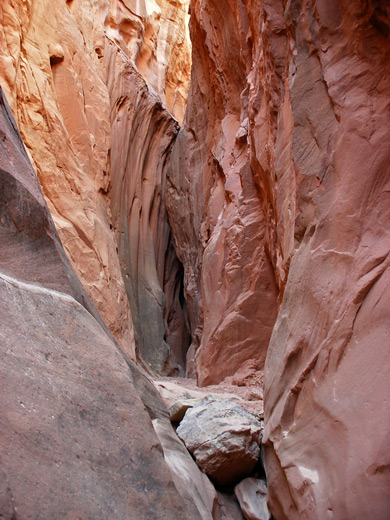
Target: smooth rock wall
x=76 y=439
x=143 y=133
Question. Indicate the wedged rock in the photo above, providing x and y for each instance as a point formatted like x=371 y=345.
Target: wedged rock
x=178 y=409
x=185 y=389
x=228 y=508
x=252 y=496
x=223 y=438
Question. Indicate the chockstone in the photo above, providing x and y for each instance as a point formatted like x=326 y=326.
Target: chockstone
x=223 y=438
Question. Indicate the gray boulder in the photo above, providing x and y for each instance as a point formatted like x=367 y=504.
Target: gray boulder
x=223 y=438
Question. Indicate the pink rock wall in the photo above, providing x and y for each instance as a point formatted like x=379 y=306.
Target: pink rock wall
x=76 y=439
x=63 y=89
x=143 y=133
x=326 y=384
x=283 y=164
x=215 y=206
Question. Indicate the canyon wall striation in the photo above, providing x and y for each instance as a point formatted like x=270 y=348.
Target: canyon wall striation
x=77 y=441
x=283 y=167
x=215 y=206
x=270 y=204
x=66 y=93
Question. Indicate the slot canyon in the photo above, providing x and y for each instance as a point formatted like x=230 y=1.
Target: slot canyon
x=194 y=255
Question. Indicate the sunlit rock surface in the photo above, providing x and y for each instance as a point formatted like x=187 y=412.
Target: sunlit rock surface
x=54 y=70
x=52 y=75
x=154 y=35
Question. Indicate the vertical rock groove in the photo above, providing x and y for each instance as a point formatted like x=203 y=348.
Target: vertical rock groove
x=248 y=246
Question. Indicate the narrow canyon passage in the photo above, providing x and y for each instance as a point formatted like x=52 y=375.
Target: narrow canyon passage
x=194 y=223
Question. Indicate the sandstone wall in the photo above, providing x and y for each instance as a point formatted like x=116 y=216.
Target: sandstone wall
x=215 y=206
x=76 y=439
x=63 y=89
x=286 y=129
x=143 y=133
x=52 y=76
x=326 y=384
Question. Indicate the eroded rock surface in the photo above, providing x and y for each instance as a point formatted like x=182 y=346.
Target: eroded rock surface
x=223 y=438
x=53 y=78
x=77 y=441
x=252 y=497
x=59 y=80
x=154 y=35
x=143 y=133
x=214 y=204
x=286 y=129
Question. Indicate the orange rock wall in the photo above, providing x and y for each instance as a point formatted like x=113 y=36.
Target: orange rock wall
x=60 y=85
x=54 y=80
x=143 y=133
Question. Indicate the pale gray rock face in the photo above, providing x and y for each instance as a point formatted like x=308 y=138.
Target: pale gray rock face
x=252 y=497
x=223 y=438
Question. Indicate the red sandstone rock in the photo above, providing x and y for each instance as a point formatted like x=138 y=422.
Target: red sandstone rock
x=312 y=78
x=53 y=69
x=55 y=82
x=76 y=440
x=229 y=508
x=142 y=136
x=326 y=382
x=214 y=204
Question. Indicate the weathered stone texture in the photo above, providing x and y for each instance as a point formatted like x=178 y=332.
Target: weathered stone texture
x=214 y=204
x=52 y=75
x=287 y=128
x=76 y=440
x=54 y=70
x=223 y=438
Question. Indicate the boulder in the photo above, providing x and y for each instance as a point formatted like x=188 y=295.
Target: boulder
x=228 y=507
x=223 y=438
x=252 y=496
